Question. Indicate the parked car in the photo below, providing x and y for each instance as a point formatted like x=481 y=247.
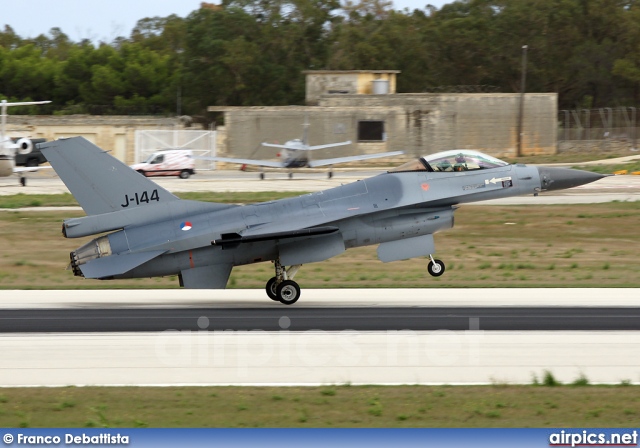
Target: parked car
x=168 y=162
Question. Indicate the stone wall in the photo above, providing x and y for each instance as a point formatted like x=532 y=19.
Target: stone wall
x=487 y=122
x=111 y=133
x=415 y=123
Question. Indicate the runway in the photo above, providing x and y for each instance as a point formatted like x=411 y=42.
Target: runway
x=320 y=319
x=239 y=337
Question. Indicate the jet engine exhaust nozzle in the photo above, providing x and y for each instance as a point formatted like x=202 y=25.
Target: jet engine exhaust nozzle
x=100 y=247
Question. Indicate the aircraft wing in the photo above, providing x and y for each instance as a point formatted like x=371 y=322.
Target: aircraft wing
x=328 y=145
x=307 y=148
x=267 y=163
x=325 y=162
x=274 y=145
x=26 y=103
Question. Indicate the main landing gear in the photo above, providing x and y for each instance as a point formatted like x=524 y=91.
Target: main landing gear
x=282 y=288
x=435 y=267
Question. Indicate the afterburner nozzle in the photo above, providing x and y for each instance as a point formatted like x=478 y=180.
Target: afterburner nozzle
x=562 y=178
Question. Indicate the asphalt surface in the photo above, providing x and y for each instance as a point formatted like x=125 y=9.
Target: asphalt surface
x=321 y=319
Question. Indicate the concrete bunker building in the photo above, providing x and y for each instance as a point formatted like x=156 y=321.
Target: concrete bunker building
x=363 y=106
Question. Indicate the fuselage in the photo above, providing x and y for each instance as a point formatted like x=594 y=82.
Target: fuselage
x=387 y=207
x=294 y=154
x=7 y=165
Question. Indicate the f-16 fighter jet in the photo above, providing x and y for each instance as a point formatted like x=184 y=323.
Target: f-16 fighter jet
x=154 y=233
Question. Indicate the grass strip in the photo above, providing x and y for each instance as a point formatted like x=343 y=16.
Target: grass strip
x=504 y=406
x=67 y=200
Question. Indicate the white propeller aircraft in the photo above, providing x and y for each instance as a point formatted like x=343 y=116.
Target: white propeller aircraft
x=295 y=154
x=8 y=148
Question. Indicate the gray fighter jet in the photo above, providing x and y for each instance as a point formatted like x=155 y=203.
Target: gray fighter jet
x=154 y=233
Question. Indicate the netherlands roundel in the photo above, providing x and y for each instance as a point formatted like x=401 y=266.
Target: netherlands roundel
x=186 y=225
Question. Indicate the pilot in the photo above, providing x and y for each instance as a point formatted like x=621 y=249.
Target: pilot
x=461 y=163
x=445 y=165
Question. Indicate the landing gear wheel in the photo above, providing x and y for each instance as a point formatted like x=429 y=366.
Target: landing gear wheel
x=436 y=268
x=271 y=289
x=288 y=292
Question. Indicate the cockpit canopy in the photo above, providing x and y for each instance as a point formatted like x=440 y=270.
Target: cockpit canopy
x=454 y=160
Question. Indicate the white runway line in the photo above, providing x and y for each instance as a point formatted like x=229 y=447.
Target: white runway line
x=345 y=297
x=283 y=358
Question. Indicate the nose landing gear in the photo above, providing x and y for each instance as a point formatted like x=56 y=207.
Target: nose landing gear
x=282 y=288
x=435 y=267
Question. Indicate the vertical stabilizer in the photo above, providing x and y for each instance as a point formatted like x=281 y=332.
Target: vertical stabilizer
x=100 y=182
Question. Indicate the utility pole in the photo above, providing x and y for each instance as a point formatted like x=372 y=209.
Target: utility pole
x=522 y=89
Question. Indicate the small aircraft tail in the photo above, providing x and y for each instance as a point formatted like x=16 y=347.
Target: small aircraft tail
x=100 y=182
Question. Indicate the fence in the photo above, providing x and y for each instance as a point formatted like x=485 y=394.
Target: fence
x=606 y=124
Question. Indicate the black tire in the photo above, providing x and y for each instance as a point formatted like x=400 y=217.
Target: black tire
x=290 y=175
x=271 y=289
x=261 y=176
x=330 y=174
x=436 y=269
x=288 y=292
x=32 y=162
x=184 y=174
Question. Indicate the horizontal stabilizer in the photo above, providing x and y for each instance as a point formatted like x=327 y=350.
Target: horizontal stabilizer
x=231 y=240
x=100 y=182
x=116 y=264
x=267 y=163
x=325 y=162
x=31 y=169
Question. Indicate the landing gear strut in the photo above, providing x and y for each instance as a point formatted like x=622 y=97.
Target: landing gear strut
x=435 y=267
x=282 y=288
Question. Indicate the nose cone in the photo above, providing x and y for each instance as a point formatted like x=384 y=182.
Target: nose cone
x=562 y=178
